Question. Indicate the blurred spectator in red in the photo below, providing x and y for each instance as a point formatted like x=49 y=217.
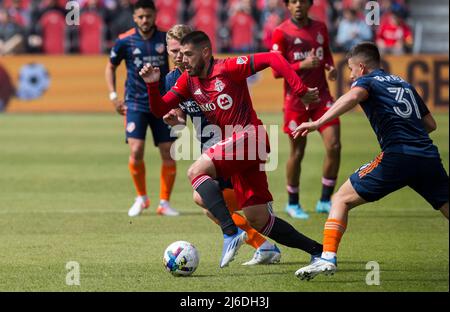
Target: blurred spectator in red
x=272 y=15
x=20 y=12
x=243 y=28
x=11 y=35
x=352 y=30
x=39 y=9
x=394 y=36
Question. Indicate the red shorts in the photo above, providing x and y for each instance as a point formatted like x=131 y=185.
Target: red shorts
x=241 y=157
x=293 y=119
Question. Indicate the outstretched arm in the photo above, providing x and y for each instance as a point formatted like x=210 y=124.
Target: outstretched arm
x=159 y=106
x=341 y=106
x=279 y=64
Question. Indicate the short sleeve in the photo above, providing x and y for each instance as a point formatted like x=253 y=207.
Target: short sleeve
x=364 y=83
x=423 y=109
x=117 y=52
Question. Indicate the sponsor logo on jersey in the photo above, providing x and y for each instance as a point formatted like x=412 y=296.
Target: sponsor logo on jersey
x=198 y=92
x=320 y=38
x=137 y=62
x=224 y=101
x=298 y=41
x=275 y=47
x=298 y=56
x=160 y=48
x=242 y=60
x=131 y=126
x=113 y=54
x=219 y=86
x=137 y=51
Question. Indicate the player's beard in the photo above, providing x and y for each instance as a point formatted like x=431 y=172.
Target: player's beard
x=197 y=70
x=147 y=31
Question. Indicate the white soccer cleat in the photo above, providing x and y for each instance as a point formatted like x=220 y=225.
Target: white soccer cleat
x=164 y=209
x=139 y=205
x=319 y=266
x=265 y=256
x=231 y=245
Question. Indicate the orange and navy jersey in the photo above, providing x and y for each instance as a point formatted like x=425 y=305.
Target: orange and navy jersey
x=395 y=111
x=136 y=51
x=295 y=44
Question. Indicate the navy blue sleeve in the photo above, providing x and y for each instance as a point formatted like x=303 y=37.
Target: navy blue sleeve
x=363 y=82
x=423 y=109
x=117 y=52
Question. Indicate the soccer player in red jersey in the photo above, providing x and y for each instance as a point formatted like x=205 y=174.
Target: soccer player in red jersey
x=219 y=87
x=304 y=43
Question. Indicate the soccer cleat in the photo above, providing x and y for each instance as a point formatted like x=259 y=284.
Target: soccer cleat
x=139 y=205
x=231 y=245
x=315 y=257
x=296 y=211
x=164 y=209
x=265 y=256
x=320 y=265
x=323 y=206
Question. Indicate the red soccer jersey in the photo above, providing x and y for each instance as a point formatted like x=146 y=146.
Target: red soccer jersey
x=223 y=96
x=295 y=44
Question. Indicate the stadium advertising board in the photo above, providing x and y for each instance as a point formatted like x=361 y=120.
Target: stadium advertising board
x=38 y=83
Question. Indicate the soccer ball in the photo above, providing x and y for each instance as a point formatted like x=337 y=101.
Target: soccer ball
x=181 y=258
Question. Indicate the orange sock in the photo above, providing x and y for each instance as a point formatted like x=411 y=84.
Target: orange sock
x=253 y=237
x=137 y=170
x=167 y=179
x=332 y=234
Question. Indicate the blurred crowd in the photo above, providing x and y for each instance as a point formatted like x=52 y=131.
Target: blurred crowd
x=30 y=26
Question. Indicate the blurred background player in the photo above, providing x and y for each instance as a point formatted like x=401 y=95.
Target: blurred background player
x=304 y=43
x=143 y=44
x=223 y=83
x=266 y=252
x=402 y=123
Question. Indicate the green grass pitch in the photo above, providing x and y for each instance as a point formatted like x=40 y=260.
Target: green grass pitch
x=65 y=191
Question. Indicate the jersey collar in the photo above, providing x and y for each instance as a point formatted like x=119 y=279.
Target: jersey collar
x=293 y=21
x=140 y=36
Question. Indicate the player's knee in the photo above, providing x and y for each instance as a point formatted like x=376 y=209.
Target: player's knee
x=334 y=148
x=297 y=154
x=137 y=153
x=197 y=199
x=192 y=172
x=341 y=200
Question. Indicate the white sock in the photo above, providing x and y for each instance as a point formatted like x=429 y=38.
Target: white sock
x=328 y=255
x=163 y=202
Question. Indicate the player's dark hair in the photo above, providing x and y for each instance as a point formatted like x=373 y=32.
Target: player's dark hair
x=368 y=51
x=144 y=4
x=196 y=38
x=287 y=2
